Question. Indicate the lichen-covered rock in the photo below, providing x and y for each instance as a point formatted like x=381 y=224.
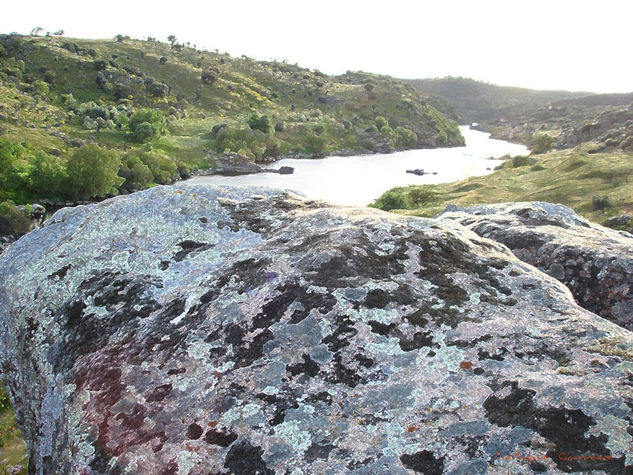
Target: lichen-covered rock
x=199 y=329
x=595 y=262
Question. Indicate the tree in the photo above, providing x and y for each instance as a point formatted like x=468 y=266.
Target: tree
x=172 y=39
x=93 y=172
x=37 y=30
x=11 y=154
x=46 y=176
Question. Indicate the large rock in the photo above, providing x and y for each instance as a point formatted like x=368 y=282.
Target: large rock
x=231 y=163
x=595 y=262
x=200 y=329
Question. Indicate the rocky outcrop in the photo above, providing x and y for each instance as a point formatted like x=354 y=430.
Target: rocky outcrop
x=199 y=329
x=613 y=128
x=594 y=262
x=231 y=163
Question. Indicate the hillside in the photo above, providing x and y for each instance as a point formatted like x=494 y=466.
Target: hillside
x=477 y=101
x=158 y=111
x=596 y=185
x=522 y=115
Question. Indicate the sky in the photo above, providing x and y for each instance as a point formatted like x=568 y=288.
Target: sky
x=574 y=45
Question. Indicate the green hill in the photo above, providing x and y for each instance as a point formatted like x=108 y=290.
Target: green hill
x=596 y=185
x=126 y=113
x=477 y=101
x=522 y=115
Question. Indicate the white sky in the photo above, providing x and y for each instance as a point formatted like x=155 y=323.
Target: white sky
x=541 y=44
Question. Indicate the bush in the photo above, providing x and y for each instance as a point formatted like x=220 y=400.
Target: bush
x=541 y=143
x=47 y=176
x=390 y=134
x=392 y=199
x=600 y=203
x=11 y=163
x=13 y=220
x=93 y=172
x=381 y=122
x=145 y=132
x=158 y=89
x=261 y=123
x=405 y=138
x=209 y=77
x=315 y=144
x=163 y=169
x=421 y=196
x=137 y=175
x=146 y=124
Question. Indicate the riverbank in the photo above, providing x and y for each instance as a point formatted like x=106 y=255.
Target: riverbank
x=595 y=185
x=360 y=179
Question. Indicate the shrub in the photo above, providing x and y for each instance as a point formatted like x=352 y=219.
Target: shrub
x=392 y=199
x=405 y=138
x=600 y=203
x=40 y=88
x=100 y=65
x=12 y=219
x=145 y=132
x=421 y=196
x=158 y=89
x=11 y=154
x=162 y=60
x=541 y=143
x=389 y=133
x=261 y=123
x=137 y=174
x=209 y=77
x=381 y=122
x=315 y=144
x=47 y=176
x=146 y=124
x=93 y=172
x=163 y=169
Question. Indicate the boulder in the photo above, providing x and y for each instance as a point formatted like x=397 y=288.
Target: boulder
x=594 y=262
x=231 y=163
x=210 y=329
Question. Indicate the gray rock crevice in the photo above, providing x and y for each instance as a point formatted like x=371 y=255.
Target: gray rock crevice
x=594 y=262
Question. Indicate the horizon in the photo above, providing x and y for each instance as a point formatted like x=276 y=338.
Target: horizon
x=576 y=47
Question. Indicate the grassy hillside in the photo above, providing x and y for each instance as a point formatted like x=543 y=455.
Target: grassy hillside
x=158 y=111
x=477 y=101
x=595 y=185
x=524 y=115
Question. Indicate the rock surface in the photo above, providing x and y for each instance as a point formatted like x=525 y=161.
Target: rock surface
x=197 y=329
x=231 y=163
x=594 y=262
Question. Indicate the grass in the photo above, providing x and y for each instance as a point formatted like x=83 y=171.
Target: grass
x=12 y=448
x=570 y=177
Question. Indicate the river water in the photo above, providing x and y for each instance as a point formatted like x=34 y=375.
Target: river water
x=359 y=180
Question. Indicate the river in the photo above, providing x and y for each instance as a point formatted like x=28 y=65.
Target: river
x=359 y=180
